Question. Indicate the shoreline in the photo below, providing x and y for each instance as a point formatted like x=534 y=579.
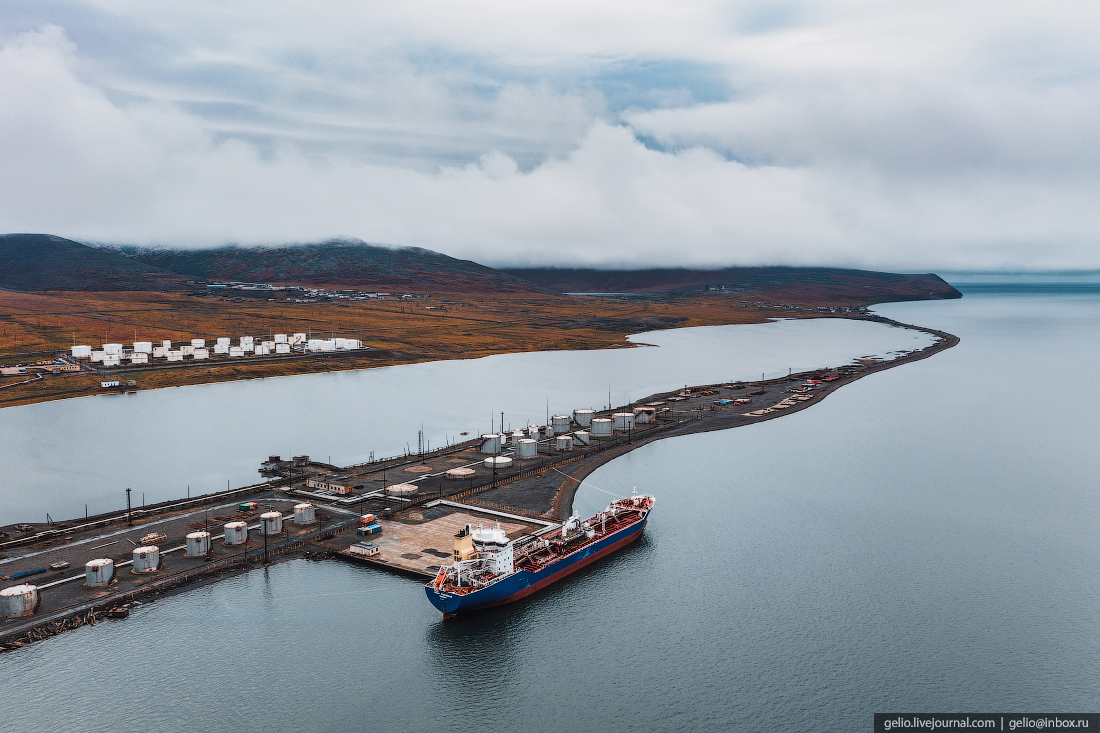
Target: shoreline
x=537 y=491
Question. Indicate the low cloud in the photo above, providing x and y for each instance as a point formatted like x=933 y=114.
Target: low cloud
x=873 y=139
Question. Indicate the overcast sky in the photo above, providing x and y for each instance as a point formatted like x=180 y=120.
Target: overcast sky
x=913 y=136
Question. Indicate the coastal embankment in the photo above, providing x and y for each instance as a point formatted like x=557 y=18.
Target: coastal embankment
x=520 y=480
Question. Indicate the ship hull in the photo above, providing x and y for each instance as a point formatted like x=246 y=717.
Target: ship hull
x=523 y=583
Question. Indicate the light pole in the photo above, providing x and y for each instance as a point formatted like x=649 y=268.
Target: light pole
x=129 y=522
x=264 y=520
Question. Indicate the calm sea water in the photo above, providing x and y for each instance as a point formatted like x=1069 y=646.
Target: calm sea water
x=59 y=456
x=925 y=539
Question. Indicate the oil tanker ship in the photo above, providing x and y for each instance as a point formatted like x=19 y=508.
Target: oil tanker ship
x=490 y=570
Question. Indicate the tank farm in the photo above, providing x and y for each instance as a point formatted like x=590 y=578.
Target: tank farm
x=401 y=514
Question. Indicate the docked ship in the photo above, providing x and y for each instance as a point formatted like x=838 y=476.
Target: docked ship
x=491 y=570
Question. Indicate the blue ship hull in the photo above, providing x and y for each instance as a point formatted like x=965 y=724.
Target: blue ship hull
x=524 y=582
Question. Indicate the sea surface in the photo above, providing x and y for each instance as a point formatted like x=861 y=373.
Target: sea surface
x=60 y=457
x=923 y=540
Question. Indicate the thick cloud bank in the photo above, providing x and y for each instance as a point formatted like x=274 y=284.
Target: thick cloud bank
x=897 y=136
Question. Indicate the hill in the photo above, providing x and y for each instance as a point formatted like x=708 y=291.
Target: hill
x=37 y=262
x=801 y=285
x=351 y=264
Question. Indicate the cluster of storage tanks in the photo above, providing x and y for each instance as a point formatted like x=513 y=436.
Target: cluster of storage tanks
x=143 y=352
x=561 y=428
x=22 y=600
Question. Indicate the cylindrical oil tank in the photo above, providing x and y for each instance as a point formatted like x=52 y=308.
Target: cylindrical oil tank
x=236 y=533
x=198 y=343
x=623 y=420
x=563 y=443
x=19 y=600
x=146 y=559
x=533 y=431
x=99 y=572
x=458 y=474
x=583 y=417
x=601 y=427
x=517 y=436
x=560 y=423
x=527 y=448
x=644 y=415
x=401 y=489
x=305 y=514
x=490 y=443
x=271 y=523
x=498 y=461
x=548 y=431
x=198 y=544
x=582 y=437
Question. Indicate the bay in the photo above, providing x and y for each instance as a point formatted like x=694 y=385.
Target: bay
x=922 y=540
x=168 y=443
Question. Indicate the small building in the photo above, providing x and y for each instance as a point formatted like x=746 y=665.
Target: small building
x=334 y=484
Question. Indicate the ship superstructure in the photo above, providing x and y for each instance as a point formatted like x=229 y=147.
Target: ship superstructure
x=490 y=570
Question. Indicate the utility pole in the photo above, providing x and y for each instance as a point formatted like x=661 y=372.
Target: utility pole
x=129 y=522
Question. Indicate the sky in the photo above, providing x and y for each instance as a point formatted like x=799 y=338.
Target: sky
x=908 y=136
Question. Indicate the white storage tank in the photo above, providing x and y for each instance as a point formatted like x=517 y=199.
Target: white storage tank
x=533 y=431
x=198 y=544
x=583 y=417
x=98 y=573
x=223 y=341
x=401 y=489
x=96 y=356
x=139 y=359
x=623 y=420
x=341 y=343
x=202 y=353
x=248 y=342
x=548 y=431
x=143 y=347
x=111 y=360
x=146 y=559
x=187 y=350
x=82 y=352
x=645 y=415
x=305 y=514
x=517 y=436
x=271 y=523
x=601 y=427
x=527 y=448
x=560 y=423
x=166 y=343
x=582 y=437
x=236 y=533
x=262 y=350
x=282 y=348
x=458 y=474
x=113 y=349
x=280 y=338
x=563 y=443
x=498 y=461
x=159 y=352
x=236 y=351
x=221 y=348
x=198 y=343
x=298 y=339
x=18 y=601
x=490 y=443
x=174 y=355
